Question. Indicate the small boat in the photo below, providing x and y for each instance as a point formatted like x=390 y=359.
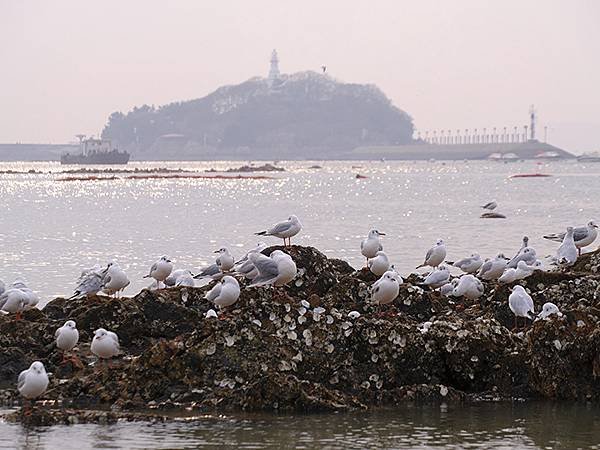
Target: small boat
x=361 y=177
x=530 y=175
x=492 y=215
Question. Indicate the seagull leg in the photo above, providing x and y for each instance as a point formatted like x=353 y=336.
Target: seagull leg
x=18 y=315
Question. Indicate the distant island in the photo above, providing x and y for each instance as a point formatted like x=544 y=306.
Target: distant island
x=306 y=115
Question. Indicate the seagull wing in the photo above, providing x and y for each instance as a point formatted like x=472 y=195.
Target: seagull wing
x=21 y=379
x=281 y=227
x=267 y=271
x=214 y=292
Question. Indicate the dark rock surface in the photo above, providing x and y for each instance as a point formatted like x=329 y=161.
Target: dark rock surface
x=272 y=352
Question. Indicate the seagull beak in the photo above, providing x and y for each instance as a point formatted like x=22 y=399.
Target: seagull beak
x=381 y=234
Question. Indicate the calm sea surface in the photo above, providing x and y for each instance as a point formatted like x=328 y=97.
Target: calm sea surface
x=484 y=426
x=51 y=229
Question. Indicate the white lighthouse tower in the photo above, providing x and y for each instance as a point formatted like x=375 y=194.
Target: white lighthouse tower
x=274 y=71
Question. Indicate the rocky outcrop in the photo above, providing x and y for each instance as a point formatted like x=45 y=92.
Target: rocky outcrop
x=318 y=344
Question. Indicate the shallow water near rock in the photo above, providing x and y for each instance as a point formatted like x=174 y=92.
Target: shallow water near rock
x=532 y=425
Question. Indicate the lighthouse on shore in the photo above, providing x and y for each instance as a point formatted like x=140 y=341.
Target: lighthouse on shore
x=274 y=71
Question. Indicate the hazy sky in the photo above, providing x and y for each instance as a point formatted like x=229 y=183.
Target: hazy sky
x=66 y=65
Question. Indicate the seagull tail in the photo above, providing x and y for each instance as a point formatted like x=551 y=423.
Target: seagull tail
x=74 y=296
x=420 y=265
x=261 y=233
x=146 y=276
x=552 y=237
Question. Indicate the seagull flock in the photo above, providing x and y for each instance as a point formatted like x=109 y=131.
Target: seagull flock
x=278 y=269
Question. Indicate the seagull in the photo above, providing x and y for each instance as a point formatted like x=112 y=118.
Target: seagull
x=380 y=264
x=114 y=280
x=371 y=245
x=521 y=303
x=525 y=244
x=386 y=289
x=527 y=255
x=521 y=272
x=14 y=301
x=160 y=270
x=437 y=278
x=245 y=267
x=32 y=298
x=89 y=282
x=493 y=269
x=67 y=337
x=566 y=255
x=447 y=289
x=105 y=344
x=185 y=279
x=490 y=205
x=471 y=264
x=583 y=236
x=33 y=382
x=172 y=278
x=223 y=263
x=277 y=270
x=225 y=293
x=469 y=287
x=284 y=230
x=548 y=310
x=435 y=256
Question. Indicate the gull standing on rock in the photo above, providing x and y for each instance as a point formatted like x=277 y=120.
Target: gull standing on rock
x=371 y=245
x=515 y=259
x=105 y=344
x=380 y=264
x=284 y=230
x=245 y=267
x=435 y=256
x=437 y=278
x=469 y=287
x=223 y=263
x=67 y=337
x=548 y=310
x=566 y=255
x=277 y=270
x=89 y=282
x=160 y=270
x=471 y=264
x=185 y=279
x=494 y=268
x=521 y=304
x=115 y=280
x=172 y=278
x=583 y=236
x=224 y=293
x=520 y=272
x=13 y=301
x=447 y=289
x=386 y=289
x=527 y=255
x=33 y=382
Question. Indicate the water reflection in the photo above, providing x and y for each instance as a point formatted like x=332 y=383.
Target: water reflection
x=489 y=426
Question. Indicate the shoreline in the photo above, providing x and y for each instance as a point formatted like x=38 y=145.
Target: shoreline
x=272 y=354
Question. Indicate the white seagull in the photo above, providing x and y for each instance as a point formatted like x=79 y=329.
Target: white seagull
x=437 y=278
x=284 y=230
x=115 y=280
x=435 y=256
x=566 y=255
x=494 y=268
x=379 y=264
x=160 y=270
x=470 y=264
x=89 y=282
x=277 y=270
x=224 y=293
x=386 y=289
x=521 y=304
x=469 y=287
x=371 y=244
x=33 y=382
x=549 y=309
x=583 y=236
x=67 y=337
x=105 y=344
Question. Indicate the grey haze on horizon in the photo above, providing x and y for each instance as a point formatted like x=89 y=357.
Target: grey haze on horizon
x=67 y=65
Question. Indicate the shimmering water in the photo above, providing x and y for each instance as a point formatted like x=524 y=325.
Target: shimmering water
x=484 y=426
x=51 y=229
